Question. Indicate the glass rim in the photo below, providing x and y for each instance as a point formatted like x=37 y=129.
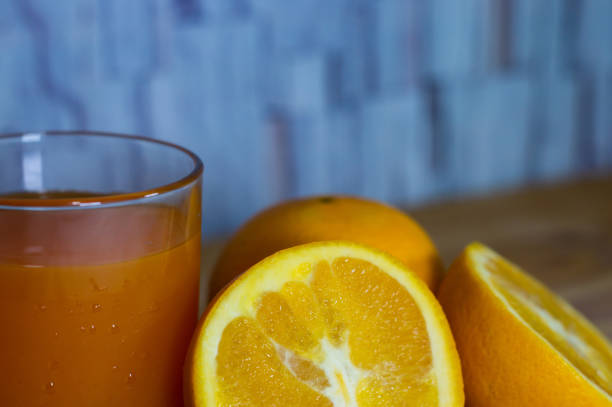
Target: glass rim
x=101 y=201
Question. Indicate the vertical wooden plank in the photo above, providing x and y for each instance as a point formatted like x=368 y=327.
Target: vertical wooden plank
x=226 y=10
x=249 y=146
x=310 y=155
x=109 y=106
x=584 y=142
x=129 y=37
x=330 y=23
x=400 y=43
x=553 y=115
x=488 y=133
x=44 y=102
x=70 y=29
x=508 y=129
x=538 y=35
x=291 y=23
x=187 y=11
x=305 y=25
x=13 y=38
x=397 y=148
x=346 y=165
x=603 y=121
x=307 y=89
x=248 y=121
x=460 y=37
x=359 y=79
x=307 y=104
x=132 y=48
x=595 y=35
x=167 y=19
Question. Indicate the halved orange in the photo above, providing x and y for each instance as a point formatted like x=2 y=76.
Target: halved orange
x=324 y=324
x=521 y=345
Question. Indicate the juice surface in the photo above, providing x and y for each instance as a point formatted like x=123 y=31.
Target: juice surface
x=97 y=307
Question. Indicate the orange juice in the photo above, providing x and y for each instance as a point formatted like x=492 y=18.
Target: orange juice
x=97 y=306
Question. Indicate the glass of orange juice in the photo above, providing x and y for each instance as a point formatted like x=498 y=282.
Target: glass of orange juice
x=99 y=269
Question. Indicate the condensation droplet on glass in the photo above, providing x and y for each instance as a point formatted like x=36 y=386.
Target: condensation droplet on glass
x=96 y=286
x=92 y=328
x=96 y=307
x=82 y=328
x=114 y=328
x=56 y=333
x=130 y=378
x=115 y=367
x=42 y=307
x=50 y=387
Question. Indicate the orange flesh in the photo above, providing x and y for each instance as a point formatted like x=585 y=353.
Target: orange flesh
x=556 y=322
x=352 y=334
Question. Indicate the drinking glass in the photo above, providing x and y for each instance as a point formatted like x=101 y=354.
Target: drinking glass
x=99 y=268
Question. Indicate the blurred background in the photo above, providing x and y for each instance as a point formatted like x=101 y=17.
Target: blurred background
x=401 y=100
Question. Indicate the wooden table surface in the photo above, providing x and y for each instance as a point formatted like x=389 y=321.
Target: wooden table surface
x=561 y=234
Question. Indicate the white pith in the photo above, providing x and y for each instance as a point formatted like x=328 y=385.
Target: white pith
x=336 y=362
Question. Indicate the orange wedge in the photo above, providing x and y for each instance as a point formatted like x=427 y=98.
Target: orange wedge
x=324 y=324
x=520 y=345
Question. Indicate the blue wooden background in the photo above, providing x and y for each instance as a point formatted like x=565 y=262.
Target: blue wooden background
x=401 y=100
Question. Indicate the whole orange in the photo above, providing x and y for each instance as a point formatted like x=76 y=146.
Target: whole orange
x=328 y=218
